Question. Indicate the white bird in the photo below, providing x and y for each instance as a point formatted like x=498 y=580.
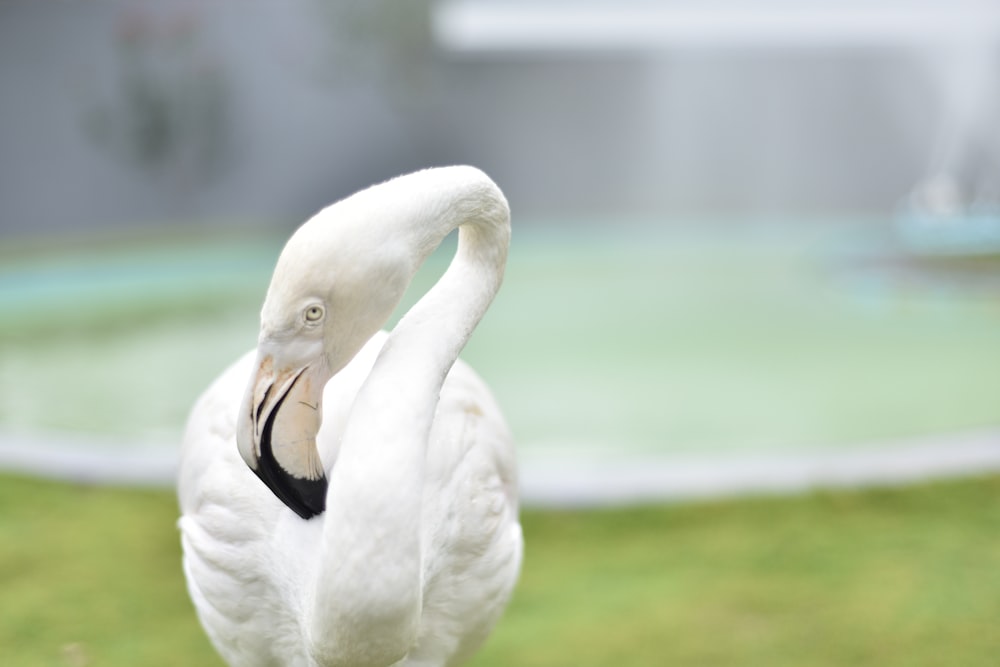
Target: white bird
x=389 y=536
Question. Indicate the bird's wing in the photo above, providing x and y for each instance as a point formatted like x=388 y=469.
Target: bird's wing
x=473 y=542
x=239 y=539
x=226 y=519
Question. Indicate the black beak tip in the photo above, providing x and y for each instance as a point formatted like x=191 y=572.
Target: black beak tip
x=305 y=497
x=309 y=498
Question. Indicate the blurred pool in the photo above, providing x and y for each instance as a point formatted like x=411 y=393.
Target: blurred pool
x=731 y=339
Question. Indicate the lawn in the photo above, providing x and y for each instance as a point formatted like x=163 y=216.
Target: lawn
x=903 y=577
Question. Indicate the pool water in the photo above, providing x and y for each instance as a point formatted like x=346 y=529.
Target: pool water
x=615 y=344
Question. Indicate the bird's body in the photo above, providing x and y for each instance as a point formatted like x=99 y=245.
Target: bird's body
x=414 y=552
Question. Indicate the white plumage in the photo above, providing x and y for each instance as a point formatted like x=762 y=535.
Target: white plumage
x=388 y=536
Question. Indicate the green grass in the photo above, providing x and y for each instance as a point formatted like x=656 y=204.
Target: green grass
x=906 y=577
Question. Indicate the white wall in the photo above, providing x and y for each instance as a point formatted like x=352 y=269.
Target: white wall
x=686 y=134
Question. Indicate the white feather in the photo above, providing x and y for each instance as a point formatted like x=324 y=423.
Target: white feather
x=273 y=589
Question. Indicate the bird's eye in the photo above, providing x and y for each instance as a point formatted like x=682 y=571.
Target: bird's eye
x=313 y=314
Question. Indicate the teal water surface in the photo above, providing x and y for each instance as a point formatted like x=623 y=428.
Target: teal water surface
x=626 y=343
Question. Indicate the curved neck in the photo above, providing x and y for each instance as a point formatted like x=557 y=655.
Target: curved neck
x=433 y=333
x=369 y=583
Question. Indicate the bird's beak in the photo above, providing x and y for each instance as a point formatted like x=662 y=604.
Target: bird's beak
x=279 y=419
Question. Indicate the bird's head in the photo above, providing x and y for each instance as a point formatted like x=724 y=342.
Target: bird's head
x=335 y=284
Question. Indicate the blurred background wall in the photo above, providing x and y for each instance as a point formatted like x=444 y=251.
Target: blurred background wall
x=116 y=114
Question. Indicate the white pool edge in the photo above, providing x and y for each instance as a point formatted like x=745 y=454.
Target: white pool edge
x=566 y=481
